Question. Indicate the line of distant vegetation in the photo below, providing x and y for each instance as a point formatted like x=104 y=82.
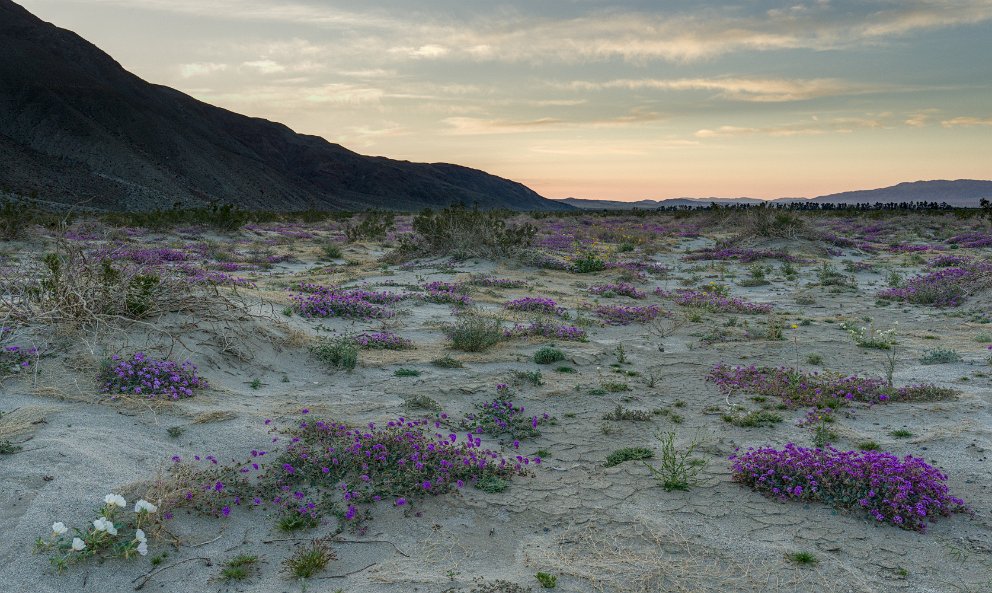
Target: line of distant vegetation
x=16 y=216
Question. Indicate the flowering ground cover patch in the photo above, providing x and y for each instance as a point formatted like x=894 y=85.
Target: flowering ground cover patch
x=149 y=377
x=617 y=289
x=946 y=287
x=547 y=329
x=382 y=341
x=502 y=417
x=16 y=358
x=796 y=388
x=625 y=315
x=322 y=301
x=906 y=492
x=718 y=303
x=741 y=254
x=329 y=468
x=446 y=292
x=536 y=305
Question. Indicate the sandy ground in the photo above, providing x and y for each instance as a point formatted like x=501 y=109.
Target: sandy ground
x=599 y=529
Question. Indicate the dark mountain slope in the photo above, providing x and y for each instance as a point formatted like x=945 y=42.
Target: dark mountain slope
x=74 y=126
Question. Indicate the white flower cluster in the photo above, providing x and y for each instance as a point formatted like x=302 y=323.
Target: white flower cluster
x=96 y=540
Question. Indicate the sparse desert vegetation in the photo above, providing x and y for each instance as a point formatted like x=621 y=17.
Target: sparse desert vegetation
x=432 y=399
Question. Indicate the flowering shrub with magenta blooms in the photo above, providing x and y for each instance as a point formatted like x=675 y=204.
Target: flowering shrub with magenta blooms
x=547 y=329
x=797 y=388
x=905 y=492
x=617 y=289
x=715 y=302
x=500 y=417
x=331 y=467
x=149 y=377
x=15 y=357
x=382 y=341
x=535 y=305
x=321 y=301
x=744 y=255
x=946 y=287
x=624 y=315
x=446 y=292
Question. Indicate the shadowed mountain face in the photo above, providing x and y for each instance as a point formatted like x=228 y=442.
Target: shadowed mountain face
x=75 y=126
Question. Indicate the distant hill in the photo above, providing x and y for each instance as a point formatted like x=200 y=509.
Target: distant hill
x=964 y=193
x=75 y=126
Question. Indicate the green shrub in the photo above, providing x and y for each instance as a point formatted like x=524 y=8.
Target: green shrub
x=940 y=356
x=548 y=581
x=375 y=225
x=676 y=469
x=447 y=362
x=548 y=355
x=308 y=560
x=340 y=353
x=628 y=454
x=472 y=333
x=588 y=263
x=464 y=231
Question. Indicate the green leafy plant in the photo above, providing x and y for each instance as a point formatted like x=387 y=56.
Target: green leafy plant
x=310 y=559
x=628 y=454
x=676 y=469
x=548 y=581
x=548 y=355
x=339 y=353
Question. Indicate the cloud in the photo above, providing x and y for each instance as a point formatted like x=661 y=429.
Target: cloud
x=760 y=90
x=265 y=66
x=597 y=35
x=840 y=125
x=481 y=126
x=200 y=69
x=966 y=122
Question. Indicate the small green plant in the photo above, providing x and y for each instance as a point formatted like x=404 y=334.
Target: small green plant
x=620 y=353
x=175 y=431
x=535 y=378
x=622 y=414
x=331 y=251
x=294 y=521
x=802 y=558
x=404 y=372
x=901 y=433
x=423 y=402
x=869 y=446
x=628 y=454
x=340 y=353
x=829 y=276
x=752 y=419
x=447 y=362
x=255 y=383
x=309 y=560
x=9 y=448
x=492 y=484
x=815 y=359
x=240 y=567
x=472 y=333
x=614 y=386
x=823 y=435
x=548 y=355
x=940 y=356
x=548 y=581
x=564 y=369
x=676 y=469
x=588 y=263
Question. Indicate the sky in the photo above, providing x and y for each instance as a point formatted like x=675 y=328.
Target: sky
x=622 y=100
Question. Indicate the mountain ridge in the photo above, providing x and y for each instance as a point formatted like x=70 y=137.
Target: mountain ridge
x=76 y=127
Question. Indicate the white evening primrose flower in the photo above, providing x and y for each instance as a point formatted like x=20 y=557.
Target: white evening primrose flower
x=78 y=544
x=111 y=529
x=143 y=548
x=59 y=528
x=139 y=534
x=144 y=505
x=115 y=499
x=100 y=524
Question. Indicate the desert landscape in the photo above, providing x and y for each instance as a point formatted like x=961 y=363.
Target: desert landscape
x=506 y=297
x=621 y=374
